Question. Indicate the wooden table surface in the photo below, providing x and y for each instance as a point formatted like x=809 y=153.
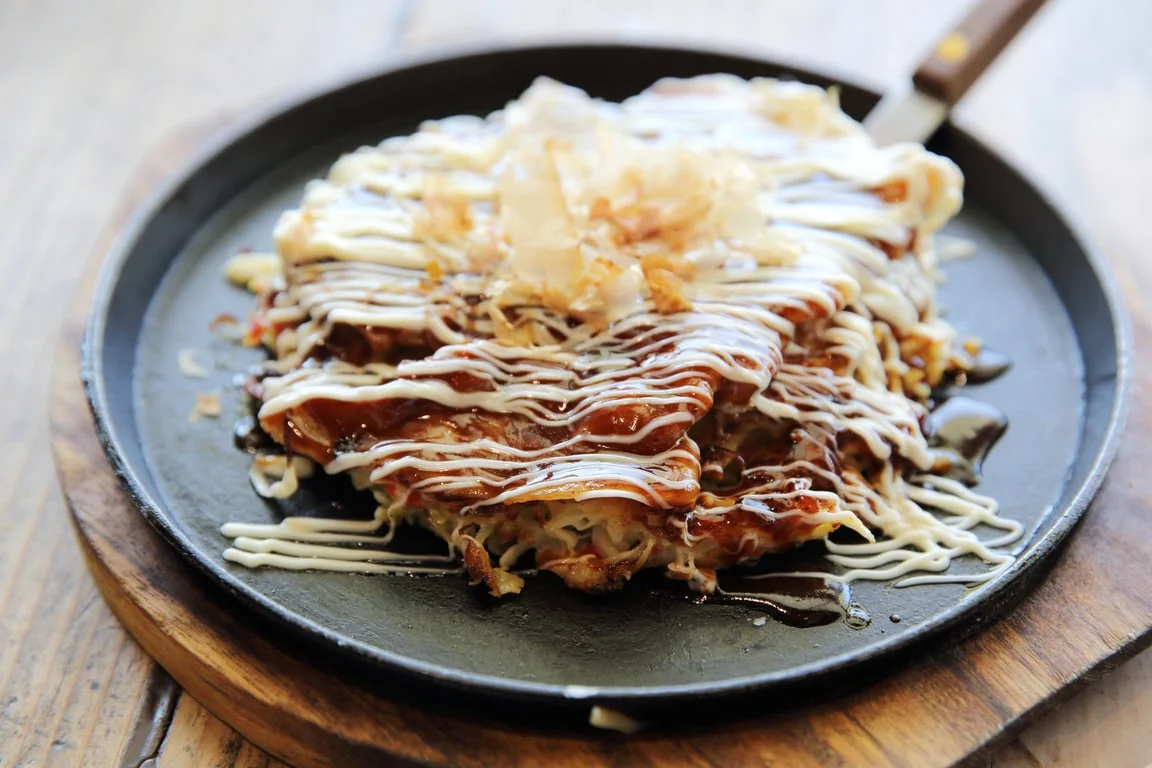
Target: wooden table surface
x=88 y=88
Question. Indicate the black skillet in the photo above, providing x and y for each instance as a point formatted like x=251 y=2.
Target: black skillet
x=1034 y=290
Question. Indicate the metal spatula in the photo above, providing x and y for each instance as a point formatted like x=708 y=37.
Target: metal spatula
x=914 y=110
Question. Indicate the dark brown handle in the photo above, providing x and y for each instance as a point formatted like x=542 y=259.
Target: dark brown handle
x=969 y=47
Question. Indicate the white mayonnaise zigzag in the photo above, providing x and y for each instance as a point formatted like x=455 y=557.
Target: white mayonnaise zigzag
x=554 y=328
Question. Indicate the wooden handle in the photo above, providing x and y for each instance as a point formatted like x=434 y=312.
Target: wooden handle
x=969 y=47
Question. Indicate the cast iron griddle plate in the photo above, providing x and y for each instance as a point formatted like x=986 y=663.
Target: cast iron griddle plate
x=1031 y=291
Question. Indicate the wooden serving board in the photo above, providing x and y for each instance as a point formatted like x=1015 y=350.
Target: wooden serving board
x=952 y=704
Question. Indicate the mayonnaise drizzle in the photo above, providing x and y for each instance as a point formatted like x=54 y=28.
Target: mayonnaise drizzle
x=305 y=543
x=413 y=237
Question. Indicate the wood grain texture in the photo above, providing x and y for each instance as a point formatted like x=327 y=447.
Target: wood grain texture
x=88 y=87
x=198 y=739
x=97 y=83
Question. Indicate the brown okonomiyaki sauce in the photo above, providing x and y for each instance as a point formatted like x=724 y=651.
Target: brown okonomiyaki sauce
x=249 y=437
x=988 y=365
x=798 y=588
x=962 y=430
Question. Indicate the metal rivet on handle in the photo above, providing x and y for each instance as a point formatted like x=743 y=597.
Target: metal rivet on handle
x=953 y=48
